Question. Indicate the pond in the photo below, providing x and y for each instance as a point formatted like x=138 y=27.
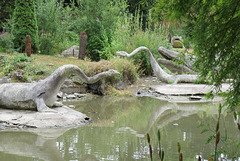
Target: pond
x=118 y=132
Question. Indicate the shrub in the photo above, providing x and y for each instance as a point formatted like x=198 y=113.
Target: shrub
x=54 y=22
x=22 y=64
x=25 y=23
x=6 y=10
x=98 y=19
x=6 y=41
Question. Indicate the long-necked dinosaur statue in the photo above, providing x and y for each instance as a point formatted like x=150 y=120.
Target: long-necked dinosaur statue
x=42 y=95
x=160 y=73
x=186 y=59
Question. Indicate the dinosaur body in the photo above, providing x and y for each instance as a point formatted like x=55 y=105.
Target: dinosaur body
x=42 y=95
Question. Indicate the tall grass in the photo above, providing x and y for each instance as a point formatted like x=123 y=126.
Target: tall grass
x=129 y=35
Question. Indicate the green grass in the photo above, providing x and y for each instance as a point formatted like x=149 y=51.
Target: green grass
x=41 y=66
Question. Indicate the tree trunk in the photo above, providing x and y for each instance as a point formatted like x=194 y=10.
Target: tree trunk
x=82 y=46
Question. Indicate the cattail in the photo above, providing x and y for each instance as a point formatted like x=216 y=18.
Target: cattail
x=162 y=157
x=179 y=147
x=150 y=147
x=180 y=157
x=150 y=150
x=159 y=136
x=148 y=138
x=217 y=138
x=210 y=158
x=217 y=127
x=199 y=158
x=161 y=154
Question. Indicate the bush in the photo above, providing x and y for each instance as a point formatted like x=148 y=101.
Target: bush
x=20 y=63
x=54 y=22
x=98 y=19
x=25 y=23
x=6 y=10
x=6 y=41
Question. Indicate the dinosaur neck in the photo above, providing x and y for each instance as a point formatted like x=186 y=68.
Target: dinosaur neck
x=52 y=84
x=160 y=73
x=57 y=78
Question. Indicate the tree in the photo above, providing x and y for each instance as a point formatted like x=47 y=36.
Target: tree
x=98 y=19
x=214 y=29
x=6 y=10
x=25 y=23
x=143 y=7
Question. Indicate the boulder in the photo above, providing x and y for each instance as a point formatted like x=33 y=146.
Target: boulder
x=72 y=51
x=63 y=117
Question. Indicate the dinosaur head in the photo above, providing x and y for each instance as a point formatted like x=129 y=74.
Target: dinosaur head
x=121 y=53
x=113 y=72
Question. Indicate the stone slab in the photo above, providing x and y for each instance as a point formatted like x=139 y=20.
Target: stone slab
x=63 y=117
x=186 y=89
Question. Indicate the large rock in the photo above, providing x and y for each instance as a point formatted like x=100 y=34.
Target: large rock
x=187 y=89
x=62 y=117
x=72 y=51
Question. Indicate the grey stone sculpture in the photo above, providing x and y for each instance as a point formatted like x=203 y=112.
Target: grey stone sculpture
x=169 y=55
x=42 y=95
x=160 y=73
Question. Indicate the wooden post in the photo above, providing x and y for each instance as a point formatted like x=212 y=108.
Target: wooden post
x=28 y=45
x=82 y=46
x=169 y=37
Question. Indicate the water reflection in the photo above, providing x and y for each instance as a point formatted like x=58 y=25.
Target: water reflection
x=31 y=144
x=125 y=122
x=118 y=132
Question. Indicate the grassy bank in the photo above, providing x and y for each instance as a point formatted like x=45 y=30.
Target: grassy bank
x=40 y=66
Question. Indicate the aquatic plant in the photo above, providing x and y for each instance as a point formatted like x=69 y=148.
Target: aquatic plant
x=161 y=151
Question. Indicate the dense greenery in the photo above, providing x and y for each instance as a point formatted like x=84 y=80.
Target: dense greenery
x=25 y=23
x=114 y=25
x=214 y=29
x=54 y=22
x=111 y=25
x=6 y=10
x=98 y=19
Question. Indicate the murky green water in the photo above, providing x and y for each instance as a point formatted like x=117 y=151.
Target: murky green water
x=118 y=132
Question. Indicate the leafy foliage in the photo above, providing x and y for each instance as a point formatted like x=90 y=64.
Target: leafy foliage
x=98 y=19
x=25 y=23
x=6 y=10
x=129 y=35
x=54 y=22
x=143 y=6
x=6 y=41
x=214 y=28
